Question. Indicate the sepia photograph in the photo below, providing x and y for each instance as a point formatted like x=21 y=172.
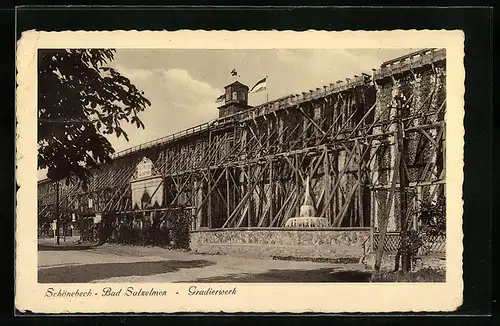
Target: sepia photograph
x=239 y=165
x=277 y=179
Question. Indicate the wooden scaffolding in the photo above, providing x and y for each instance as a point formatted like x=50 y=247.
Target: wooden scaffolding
x=248 y=169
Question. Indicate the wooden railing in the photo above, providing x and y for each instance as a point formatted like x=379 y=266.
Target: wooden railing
x=431 y=244
x=391 y=243
x=163 y=140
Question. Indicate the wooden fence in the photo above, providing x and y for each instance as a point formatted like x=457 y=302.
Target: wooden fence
x=432 y=244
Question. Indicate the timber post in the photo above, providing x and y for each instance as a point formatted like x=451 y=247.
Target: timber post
x=271 y=192
x=405 y=259
x=57 y=212
x=209 y=186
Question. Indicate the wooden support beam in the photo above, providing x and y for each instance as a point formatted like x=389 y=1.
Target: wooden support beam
x=411 y=184
x=257 y=139
x=198 y=215
x=287 y=202
x=293 y=165
x=434 y=147
x=315 y=165
x=228 y=190
x=311 y=120
x=327 y=187
x=183 y=163
x=277 y=155
x=243 y=214
x=440 y=108
x=250 y=198
x=209 y=192
x=431 y=139
x=236 y=189
x=362 y=119
x=268 y=210
x=179 y=190
x=339 y=179
x=299 y=179
x=288 y=213
x=385 y=220
x=360 y=194
x=259 y=200
x=345 y=208
x=245 y=198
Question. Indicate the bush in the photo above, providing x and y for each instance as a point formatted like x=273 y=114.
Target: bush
x=433 y=217
x=151 y=234
x=180 y=230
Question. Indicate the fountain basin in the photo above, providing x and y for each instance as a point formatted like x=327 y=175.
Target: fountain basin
x=307 y=222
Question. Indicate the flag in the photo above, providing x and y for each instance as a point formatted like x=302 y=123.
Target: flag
x=260 y=86
x=234 y=72
x=220 y=99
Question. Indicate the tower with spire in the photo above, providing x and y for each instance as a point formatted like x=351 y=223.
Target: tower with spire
x=236 y=99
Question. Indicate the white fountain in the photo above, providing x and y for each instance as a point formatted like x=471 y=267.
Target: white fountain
x=307 y=214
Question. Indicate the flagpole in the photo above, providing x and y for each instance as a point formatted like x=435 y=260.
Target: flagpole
x=267 y=89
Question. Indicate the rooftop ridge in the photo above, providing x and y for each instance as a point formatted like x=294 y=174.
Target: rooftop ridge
x=291 y=99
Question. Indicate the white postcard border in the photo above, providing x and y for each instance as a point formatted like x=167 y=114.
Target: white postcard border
x=253 y=297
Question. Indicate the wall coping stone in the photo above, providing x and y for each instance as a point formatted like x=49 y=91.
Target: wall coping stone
x=283 y=229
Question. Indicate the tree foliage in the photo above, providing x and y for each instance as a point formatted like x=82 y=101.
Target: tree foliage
x=432 y=220
x=433 y=217
x=80 y=101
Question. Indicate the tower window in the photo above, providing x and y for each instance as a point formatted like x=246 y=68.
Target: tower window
x=235 y=96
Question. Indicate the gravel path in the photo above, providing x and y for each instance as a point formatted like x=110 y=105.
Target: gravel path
x=116 y=263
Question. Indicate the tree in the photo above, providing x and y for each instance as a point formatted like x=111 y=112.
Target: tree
x=432 y=220
x=80 y=100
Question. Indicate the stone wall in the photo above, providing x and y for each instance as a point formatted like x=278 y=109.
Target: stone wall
x=332 y=243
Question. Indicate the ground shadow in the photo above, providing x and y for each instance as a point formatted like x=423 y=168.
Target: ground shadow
x=91 y=272
x=292 y=276
x=66 y=247
x=340 y=260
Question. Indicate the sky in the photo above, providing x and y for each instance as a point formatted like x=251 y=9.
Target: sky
x=182 y=85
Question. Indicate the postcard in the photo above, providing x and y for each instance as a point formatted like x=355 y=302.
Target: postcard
x=247 y=171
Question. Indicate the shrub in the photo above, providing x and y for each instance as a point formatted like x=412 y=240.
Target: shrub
x=180 y=229
x=433 y=217
x=153 y=233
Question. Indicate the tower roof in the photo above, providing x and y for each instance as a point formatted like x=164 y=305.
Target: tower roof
x=236 y=83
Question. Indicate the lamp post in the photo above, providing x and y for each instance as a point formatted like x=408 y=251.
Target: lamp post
x=57 y=212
